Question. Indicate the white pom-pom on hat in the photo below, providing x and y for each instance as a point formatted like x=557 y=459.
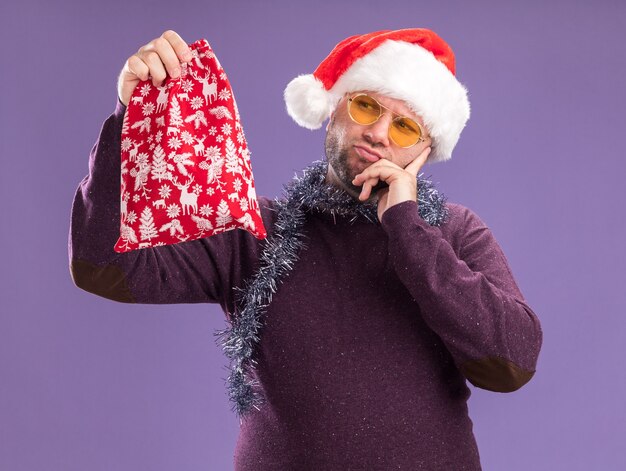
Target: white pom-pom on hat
x=308 y=102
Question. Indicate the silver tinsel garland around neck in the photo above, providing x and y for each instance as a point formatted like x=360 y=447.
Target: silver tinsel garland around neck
x=310 y=192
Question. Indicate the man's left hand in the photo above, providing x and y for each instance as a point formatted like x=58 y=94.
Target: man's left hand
x=402 y=181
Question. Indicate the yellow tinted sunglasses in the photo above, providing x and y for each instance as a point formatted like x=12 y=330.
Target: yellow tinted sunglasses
x=404 y=132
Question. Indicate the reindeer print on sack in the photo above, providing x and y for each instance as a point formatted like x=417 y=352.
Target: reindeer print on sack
x=209 y=90
x=187 y=199
x=185 y=164
x=162 y=98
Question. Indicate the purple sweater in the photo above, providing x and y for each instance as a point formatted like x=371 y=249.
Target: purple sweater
x=368 y=342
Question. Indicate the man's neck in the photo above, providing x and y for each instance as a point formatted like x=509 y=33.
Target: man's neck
x=333 y=179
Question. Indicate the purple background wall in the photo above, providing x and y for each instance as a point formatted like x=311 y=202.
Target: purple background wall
x=89 y=384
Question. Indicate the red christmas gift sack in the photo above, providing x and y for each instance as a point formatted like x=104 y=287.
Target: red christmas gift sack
x=185 y=164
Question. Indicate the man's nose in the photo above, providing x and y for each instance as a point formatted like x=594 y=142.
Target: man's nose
x=378 y=132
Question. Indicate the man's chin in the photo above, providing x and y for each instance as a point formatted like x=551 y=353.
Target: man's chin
x=345 y=173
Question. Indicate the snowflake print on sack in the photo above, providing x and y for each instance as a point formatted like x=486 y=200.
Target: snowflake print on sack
x=173 y=210
x=185 y=165
x=127 y=143
x=174 y=143
x=237 y=185
x=148 y=109
x=212 y=152
x=186 y=85
x=206 y=210
x=132 y=217
x=165 y=191
x=187 y=137
x=196 y=103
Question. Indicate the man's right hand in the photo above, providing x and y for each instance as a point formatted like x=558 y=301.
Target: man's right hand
x=157 y=59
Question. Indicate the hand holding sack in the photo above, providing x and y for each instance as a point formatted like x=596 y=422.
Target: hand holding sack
x=185 y=164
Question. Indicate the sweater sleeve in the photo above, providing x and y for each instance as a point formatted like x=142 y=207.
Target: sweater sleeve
x=468 y=296
x=203 y=270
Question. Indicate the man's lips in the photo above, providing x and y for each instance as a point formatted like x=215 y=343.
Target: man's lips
x=367 y=154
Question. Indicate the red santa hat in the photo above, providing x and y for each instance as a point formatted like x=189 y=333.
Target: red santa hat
x=413 y=65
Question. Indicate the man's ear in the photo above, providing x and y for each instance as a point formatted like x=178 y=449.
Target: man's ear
x=330 y=119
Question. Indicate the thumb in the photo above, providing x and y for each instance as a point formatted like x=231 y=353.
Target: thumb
x=127 y=81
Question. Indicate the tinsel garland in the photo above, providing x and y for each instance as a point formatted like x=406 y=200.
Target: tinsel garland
x=310 y=192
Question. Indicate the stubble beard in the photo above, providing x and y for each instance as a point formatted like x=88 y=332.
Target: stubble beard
x=337 y=156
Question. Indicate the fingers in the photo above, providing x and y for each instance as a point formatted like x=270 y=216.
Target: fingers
x=389 y=172
x=164 y=55
x=367 y=188
x=381 y=169
x=135 y=66
x=156 y=60
x=156 y=68
x=179 y=46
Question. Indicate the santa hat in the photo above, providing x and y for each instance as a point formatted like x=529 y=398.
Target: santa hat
x=413 y=65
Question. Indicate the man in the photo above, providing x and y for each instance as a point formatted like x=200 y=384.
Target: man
x=356 y=323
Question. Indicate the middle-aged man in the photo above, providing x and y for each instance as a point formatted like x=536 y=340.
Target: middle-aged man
x=356 y=323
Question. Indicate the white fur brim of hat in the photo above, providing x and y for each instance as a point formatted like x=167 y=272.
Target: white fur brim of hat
x=399 y=70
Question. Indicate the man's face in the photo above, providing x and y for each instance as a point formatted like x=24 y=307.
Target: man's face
x=351 y=147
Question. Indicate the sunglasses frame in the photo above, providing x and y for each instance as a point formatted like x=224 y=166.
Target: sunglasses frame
x=395 y=116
